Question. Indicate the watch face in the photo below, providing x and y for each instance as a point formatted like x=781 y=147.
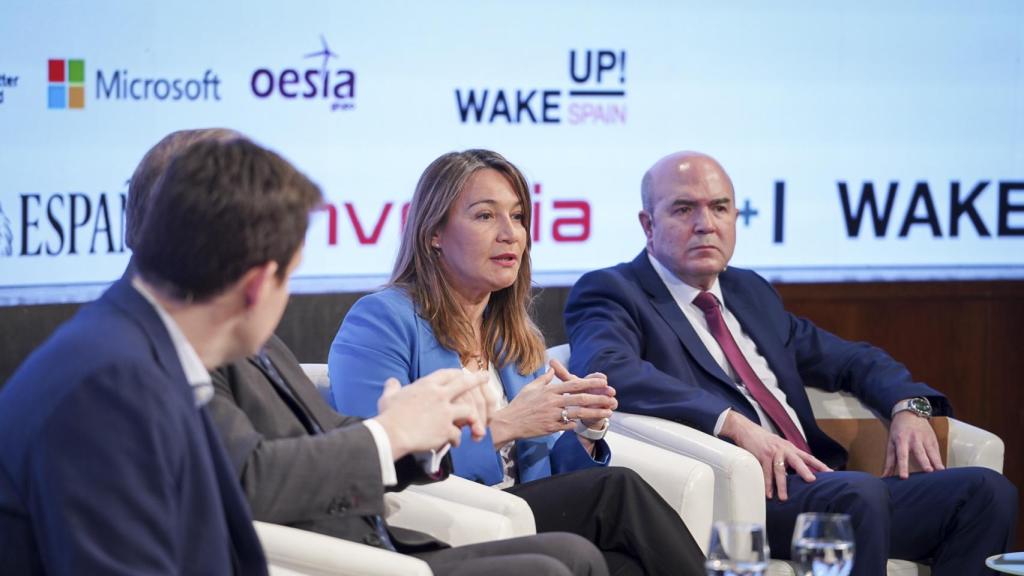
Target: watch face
x=921 y=406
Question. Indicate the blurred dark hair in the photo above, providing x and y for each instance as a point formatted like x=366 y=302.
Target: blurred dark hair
x=220 y=209
x=153 y=165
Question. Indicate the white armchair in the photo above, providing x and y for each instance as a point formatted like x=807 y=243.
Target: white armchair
x=739 y=487
x=455 y=511
x=686 y=483
x=293 y=551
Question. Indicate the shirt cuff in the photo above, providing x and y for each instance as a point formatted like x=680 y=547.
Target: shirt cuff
x=431 y=461
x=387 y=465
x=721 y=421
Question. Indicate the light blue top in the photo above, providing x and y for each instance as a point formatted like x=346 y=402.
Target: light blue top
x=382 y=336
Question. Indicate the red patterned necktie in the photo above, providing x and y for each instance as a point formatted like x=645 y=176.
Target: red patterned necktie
x=707 y=302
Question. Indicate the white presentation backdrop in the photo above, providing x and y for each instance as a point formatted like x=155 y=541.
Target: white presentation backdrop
x=866 y=141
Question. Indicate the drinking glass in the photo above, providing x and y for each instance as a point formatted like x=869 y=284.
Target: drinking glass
x=737 y=549
x=823 y=544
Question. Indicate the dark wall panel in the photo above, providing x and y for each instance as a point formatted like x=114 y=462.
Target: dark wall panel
x=964 y=338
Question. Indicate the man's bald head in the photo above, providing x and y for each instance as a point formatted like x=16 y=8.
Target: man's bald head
x=689 y=216
x=685 y=166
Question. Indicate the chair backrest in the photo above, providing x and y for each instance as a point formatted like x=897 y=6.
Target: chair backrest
x=560 y=353
x=317 y=373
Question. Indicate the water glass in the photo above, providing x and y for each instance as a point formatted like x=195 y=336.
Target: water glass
x=737 y=549
x=823 y=544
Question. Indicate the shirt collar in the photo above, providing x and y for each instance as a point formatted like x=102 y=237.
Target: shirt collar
x=681 y=291
x=197 y=375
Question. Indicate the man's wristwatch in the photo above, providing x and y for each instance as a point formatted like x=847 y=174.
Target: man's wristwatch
x=589 y=433
x=920 y=406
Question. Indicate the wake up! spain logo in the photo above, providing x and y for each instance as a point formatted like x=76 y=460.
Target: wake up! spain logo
x=596 y=95
x=66 y=84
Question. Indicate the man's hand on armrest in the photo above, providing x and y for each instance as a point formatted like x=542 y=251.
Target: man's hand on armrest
x=910 y=434
x=774 y=453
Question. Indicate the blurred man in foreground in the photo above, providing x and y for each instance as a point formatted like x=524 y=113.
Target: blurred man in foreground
x=110 y=464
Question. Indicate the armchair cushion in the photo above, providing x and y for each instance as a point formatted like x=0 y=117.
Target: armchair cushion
x=294 y=551
x=460 y=512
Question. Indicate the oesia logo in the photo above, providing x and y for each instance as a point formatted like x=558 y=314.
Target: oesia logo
x=320 y=83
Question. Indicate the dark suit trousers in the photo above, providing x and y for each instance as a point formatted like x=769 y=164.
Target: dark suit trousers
x=541 y=555
x=952 y=519
x=614 y=508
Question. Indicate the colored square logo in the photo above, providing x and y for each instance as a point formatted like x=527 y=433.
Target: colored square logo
x=56 y=68
x=76 y=97
x=76 y=71
x=57 y=97
x=66 y=83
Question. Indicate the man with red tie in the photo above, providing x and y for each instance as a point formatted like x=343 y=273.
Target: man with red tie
x=683 y=337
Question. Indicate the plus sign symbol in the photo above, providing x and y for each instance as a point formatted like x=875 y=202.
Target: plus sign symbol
x=747 y=212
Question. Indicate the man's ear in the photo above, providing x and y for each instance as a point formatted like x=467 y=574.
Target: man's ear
x=256 y=282
x=647 y=223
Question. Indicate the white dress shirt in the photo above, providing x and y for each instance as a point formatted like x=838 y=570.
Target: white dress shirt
x=684 y=294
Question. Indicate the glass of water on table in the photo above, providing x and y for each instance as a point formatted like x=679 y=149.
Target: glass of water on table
x=737 y=549
x=823 y=544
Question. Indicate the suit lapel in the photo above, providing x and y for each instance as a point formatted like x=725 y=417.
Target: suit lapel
x=752 y=323
x=430 y=355
x=512 y=381
x=663 y=302
x=288 y=393
x=747 y=317
x=246 y=551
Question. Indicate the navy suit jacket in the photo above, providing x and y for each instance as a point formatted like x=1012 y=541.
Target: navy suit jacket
x=624 y=322
x=383 y=337
x=106 y=464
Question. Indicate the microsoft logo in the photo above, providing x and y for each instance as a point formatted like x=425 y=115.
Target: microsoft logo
x=66 y=84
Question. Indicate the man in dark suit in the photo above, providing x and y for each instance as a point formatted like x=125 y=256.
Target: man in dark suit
x=684 y=338
x=109 y=463
x=302 y=464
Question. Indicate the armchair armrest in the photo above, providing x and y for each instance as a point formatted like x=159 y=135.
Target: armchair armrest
x=459 y=512
x=317 y=373
x=972 y=446
x=739 y=484
x=294 y=551
x=688 y=486
x=964 y=444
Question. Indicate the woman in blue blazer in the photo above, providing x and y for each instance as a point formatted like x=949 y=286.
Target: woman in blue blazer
x=458 y=298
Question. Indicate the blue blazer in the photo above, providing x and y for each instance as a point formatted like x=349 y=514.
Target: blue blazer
x=624 y=322
x=106 y=465
x=382 y=336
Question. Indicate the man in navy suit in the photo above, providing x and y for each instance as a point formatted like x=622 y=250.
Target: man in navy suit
x=109 y=463
x=684 y=338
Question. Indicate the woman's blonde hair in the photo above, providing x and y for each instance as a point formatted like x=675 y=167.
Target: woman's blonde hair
x=509 y=335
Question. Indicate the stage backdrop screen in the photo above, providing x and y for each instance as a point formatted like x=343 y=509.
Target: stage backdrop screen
x=868 y=140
